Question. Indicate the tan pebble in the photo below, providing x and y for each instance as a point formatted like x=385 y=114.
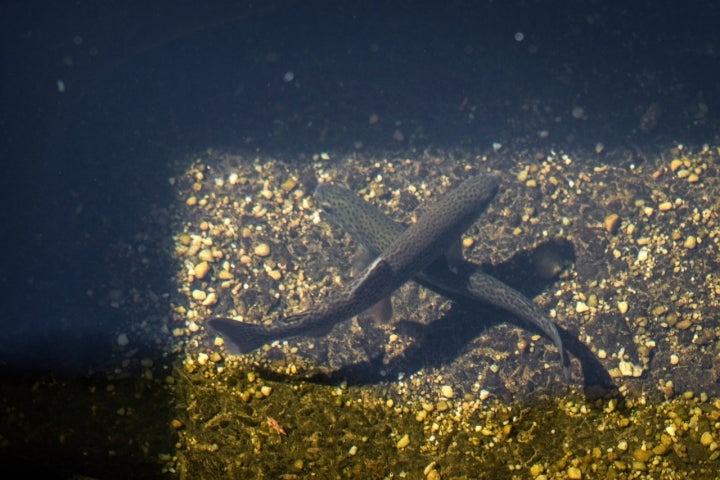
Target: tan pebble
x=245 y=259
x=690 y=242
x=176 y=424
x=683 y=324
x=289 y=184
x=266 y=390
x=683 y=173
x=623 y=307
x=581 y=307
x=428 y=467
x=433 y=475
x=665 y=206
x=693 y=178
x=404 y=441
x=468 y=242
x=184 y=239
x=202 y=358
x=706 y=439
x=641 y=455
x=447 y=391
x=275 y=274
x=626 y=368
x=211 y=299
x=574 y=473
x=648 y=211
x=201 y=270
x=225 y=275
x=676 y=164
x=612 y=223
x=660 y=449
x=532 y=183
x=206 y=255
x=199 y=295
x=536 y=470
x=262 y=250
x=639 y=466
x=191 y=201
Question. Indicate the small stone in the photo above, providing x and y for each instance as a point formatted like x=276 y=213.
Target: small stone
x=623 y=307
x=665 y=206
x=706 y=439
x=693 y=178
x=206 y=255
x=676 y=164
x=626 y=368
x=574 y=473
x=202 y=358
x=581 y=307
x=198 y=295
x=266 y=390
x=211 y=299
x=225 y=275
x=176 y=424
x=468 y=242
x=433 y=475
x=404 y=441
x=690 y=242
x=122 y=340
x=641 y=455
x=289 y=184
x=612 y=223
x=201 y=270
x=262 y=250
x=447 y=391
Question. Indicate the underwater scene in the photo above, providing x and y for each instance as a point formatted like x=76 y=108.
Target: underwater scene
x=290 y=240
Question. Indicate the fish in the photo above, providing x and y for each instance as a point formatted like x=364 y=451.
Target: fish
x=416 y=248
x=455 y=278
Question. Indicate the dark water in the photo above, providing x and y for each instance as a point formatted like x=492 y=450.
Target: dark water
x=101 y=101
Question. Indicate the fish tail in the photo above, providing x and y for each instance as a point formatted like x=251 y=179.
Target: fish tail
x=241 y=337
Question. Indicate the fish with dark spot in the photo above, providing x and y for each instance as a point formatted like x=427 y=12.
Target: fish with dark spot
x=457 y=279
x=409 y=253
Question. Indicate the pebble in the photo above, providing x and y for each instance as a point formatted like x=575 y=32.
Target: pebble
x=122 y=340
x=206 y=255
x=623 y=307
x=262 y=250
x=665 y=206
x=201 y=270
x=266 y=390
x=574 y=473
x=612 y=223
x=404 y=441
x=211 y=299
x=706 y=439
x=447 y=391
x=581 y=307
x=690 y=242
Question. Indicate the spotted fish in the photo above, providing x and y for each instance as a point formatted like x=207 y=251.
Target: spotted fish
x=410 y=252
x=460 y=280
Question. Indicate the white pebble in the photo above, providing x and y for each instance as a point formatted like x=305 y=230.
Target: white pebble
x=122 y=340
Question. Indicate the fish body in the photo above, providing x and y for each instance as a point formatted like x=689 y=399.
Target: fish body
x=413 y=250
x=461 y=281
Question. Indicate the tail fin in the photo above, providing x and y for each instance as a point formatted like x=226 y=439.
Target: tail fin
x=241 y=337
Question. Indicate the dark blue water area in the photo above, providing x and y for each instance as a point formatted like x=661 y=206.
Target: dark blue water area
x=101 y=99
